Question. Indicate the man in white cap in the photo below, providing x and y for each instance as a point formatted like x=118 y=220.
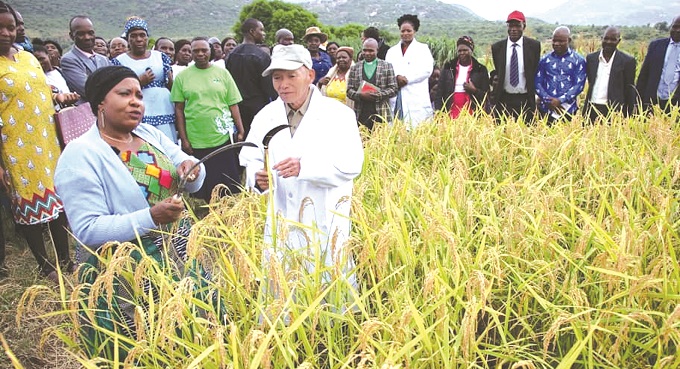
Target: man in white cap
x=309 y=169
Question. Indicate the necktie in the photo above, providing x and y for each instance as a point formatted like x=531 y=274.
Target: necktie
x=514 y=67
x=671 y=62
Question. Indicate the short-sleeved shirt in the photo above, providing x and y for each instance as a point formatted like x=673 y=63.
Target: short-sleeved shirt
x=207 y=94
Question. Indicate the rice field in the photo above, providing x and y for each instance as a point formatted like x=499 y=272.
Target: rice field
x=476 y=246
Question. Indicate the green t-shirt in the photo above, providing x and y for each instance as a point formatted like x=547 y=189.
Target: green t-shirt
x=207 y=94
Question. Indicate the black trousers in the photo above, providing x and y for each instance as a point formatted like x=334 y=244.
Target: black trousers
x=593 y=112
x=221 y=169
x=516 y=105
x=665 y=105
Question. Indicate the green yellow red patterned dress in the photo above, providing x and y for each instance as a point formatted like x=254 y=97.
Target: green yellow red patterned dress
x=156 y=176
x=30 y=148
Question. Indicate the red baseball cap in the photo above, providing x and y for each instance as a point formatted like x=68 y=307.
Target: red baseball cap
x=517 y=16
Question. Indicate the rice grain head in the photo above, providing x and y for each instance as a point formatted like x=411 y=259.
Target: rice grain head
x=523 y=364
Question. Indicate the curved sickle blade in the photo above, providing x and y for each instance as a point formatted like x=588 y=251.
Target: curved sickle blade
x=268 y=137
x=183 y=180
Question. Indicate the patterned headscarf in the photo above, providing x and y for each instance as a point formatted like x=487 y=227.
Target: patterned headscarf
x=134 y=23
x=467 y=41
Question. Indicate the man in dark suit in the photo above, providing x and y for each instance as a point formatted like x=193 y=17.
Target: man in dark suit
x=658 y=79
x=611 y=79
x=516 y=61
x=81 y=60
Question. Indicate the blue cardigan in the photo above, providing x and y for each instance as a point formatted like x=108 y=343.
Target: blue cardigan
x=102 y=200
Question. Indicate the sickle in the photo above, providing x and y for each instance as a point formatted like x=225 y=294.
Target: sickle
x=183 y=180
x=265 y=142
x=268 y=137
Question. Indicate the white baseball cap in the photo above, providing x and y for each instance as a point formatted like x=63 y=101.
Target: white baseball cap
x=290 y=57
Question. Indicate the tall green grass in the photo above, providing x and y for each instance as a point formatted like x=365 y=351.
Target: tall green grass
x=477 y=246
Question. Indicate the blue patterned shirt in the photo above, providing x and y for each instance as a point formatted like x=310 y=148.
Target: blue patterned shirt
x=321 y=65
x=562 y=77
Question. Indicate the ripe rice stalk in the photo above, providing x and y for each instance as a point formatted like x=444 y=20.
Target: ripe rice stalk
x=476 y=244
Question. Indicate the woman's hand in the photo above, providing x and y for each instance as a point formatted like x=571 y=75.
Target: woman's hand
x=55 y=59
x=469 y=87
x=67 y=98
x=324 y=81
x=183 y=170
x=401 y=81
x=146 y=77
x=167 y=211
x=240 y=136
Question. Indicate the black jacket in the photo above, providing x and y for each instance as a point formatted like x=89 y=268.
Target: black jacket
x=621 y=93
x=532 y=55
x=650 y=72
x=479 y=77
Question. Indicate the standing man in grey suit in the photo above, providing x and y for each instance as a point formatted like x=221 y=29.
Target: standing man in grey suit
x=81 y=60
x=657 y=82
x=516 y=61
x=611 y=79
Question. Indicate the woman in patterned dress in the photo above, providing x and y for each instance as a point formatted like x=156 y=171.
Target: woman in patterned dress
x=154 y=70
x=117 y=182
x=29 y=148
x=334 y=84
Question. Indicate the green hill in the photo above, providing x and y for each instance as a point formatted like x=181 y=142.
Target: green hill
x=188 y=18
x=175 y=18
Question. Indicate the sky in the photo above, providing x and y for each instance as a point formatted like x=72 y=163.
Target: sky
x=499 y=9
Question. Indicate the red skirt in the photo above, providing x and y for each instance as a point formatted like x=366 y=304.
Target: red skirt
x=461 y=101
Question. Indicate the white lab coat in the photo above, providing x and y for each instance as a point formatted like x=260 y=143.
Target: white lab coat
x=416 y=65
x=314 y=205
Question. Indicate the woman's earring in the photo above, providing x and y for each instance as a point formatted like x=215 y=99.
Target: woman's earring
x=101 y=119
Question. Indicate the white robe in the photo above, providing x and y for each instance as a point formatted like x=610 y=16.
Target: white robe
x=416 y=65
x=314 y=205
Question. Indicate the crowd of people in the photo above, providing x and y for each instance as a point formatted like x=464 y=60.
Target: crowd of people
x=161 y=110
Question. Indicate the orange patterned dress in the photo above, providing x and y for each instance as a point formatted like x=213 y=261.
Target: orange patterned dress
x=30 y=148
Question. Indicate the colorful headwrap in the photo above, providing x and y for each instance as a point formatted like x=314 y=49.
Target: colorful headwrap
x=134 y=23
x=467 y=41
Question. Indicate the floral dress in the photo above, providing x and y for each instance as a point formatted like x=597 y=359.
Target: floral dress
x=30 y=147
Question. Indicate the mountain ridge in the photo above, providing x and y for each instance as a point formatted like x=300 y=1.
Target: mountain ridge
x=626 y=12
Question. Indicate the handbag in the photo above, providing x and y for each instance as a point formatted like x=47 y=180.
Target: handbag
x=73 y=121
